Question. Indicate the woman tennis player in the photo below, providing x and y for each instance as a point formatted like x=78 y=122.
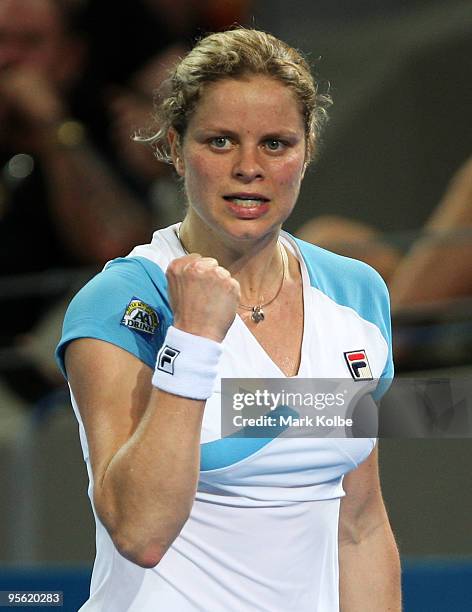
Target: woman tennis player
x=187 y=520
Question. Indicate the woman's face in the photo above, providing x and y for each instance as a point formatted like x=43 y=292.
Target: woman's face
x=242 y=158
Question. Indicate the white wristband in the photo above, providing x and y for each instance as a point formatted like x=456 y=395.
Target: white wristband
x=187 y=365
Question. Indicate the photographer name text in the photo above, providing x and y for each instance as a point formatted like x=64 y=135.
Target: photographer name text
x=319 y=420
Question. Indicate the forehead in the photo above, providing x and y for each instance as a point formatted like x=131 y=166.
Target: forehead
x=28 y=15
x=253 y=101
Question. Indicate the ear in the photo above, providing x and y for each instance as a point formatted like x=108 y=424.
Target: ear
x=173 y=139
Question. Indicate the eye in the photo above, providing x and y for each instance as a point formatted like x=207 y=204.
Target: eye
x=220 y=142
x=274 y=144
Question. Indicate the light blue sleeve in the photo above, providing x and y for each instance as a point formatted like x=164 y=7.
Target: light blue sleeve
x=126 y=304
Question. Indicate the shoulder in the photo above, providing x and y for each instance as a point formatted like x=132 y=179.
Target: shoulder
x=125 y=304
x=339 y=276
x=109 y=287
x=348 y=282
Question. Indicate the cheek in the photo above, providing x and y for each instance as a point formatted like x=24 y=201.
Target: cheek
x=200 y=172
x=201 y=178
x=290 y=173
x=196 y=165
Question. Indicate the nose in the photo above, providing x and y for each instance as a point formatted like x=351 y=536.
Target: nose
x=247 y=165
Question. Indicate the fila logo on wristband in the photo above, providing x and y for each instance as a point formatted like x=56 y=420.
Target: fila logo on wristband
x=197 y=369
x=358 y=365
x=165 y=361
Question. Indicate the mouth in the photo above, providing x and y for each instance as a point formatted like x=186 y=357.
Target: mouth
x=246 y=200
x=247 y=206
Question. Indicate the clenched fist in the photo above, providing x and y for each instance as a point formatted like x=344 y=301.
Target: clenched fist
x=203 y=296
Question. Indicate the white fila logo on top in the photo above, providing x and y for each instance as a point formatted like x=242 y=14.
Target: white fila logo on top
x=358 y=365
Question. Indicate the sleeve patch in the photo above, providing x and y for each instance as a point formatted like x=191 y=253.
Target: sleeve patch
x=140 y=317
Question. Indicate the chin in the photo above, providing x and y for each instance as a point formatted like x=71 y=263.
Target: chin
x=249 y=230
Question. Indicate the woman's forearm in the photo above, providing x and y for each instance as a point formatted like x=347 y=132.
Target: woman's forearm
x=370 y=573
x=147 y=490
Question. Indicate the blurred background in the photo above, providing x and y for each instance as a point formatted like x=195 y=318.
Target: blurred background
x=392 y=185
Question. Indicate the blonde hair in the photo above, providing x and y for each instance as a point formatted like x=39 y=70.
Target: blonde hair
x=232 y=54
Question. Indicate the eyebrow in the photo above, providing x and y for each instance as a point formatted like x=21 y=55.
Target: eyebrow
x=288 y=134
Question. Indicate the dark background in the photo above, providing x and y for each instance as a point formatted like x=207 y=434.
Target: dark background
x=400 y=76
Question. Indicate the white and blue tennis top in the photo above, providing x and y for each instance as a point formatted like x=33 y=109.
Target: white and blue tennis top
x=263 y=531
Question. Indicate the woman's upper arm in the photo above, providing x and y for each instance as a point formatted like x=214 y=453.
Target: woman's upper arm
x=111 y=388
x=362 y=508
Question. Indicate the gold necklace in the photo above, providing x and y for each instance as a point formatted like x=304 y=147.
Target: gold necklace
x=257 y=312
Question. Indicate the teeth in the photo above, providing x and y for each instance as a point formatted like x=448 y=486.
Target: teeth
x=246 y=203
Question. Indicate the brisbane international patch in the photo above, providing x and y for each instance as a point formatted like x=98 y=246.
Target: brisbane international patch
x=140 y=317
x=358 y=364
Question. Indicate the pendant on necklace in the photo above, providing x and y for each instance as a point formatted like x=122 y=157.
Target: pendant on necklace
x=257 y=314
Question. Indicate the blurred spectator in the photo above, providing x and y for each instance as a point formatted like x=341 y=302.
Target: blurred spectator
x=352 y=238
x=130 y=85
x=130 y=111
x=61 y=204
x=74 y=188
x=438 y=264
